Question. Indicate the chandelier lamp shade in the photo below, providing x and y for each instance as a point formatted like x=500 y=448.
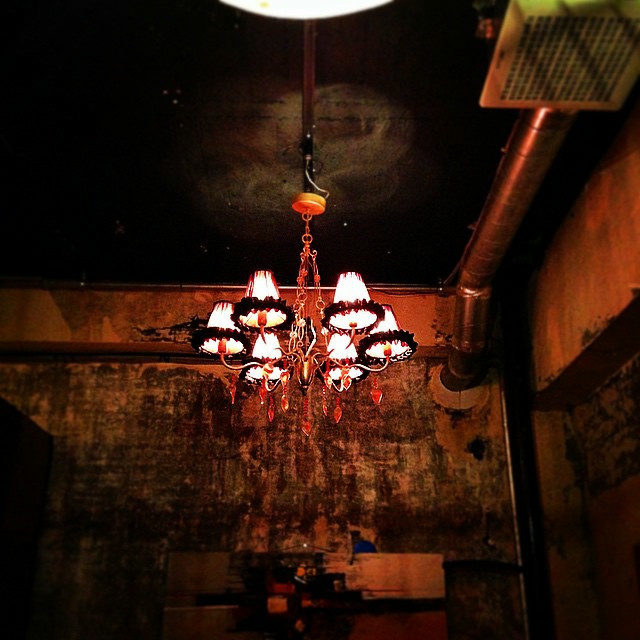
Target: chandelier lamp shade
x=262 y=308
x=387 y=341
x=352 y=310
x=222 y=335
x=346 y=366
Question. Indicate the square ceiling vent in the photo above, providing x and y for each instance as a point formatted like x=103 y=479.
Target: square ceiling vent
x=565 y=55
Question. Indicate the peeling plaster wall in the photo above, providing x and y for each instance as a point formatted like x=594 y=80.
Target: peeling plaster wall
x=608 y=428
x=585 y=311
x=589 y=469
x=566 y=528
x=150 y=459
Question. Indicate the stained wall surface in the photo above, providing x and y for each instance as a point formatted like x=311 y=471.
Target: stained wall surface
x=585 y=311
x=567 y=532
x=151 y=459
x=589 y=461
x=608 y=429
x=585 y=303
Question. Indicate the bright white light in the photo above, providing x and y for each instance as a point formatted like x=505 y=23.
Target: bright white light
x=378 y=350
x=257 y=374
x=227 y=346
x=304 y=9
x=389 y=322
x=267 y=347
x=221 y=316
x=350 y=288
x=340 y=347
x=262 y=285
x=355 y=318
x=337 y=373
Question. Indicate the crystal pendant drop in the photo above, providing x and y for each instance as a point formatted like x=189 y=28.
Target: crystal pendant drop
x=337 y=412
x=271 y=409
x=306 y=425
x=376 y=392
x=284 y=381
x=232 y=388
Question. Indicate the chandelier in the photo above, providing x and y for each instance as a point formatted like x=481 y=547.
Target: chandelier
x=270 y=343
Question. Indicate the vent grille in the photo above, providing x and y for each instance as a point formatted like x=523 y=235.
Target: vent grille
x=563 y=61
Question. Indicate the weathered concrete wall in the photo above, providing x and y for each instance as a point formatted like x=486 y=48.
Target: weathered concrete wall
x=162 y=319
x=589 y=471
x=585 y=302
x=608 y=426
x=585 y=314
x=567 y=534
x=151 y=458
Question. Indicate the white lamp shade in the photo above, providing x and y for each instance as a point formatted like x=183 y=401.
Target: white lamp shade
x=304 y=9
x=220 y=317
x=227 y=346
x=267 y=347
x=337 y=373
x=393 y=349
x=262 y=285
x=350 y=287
x=340 y=349
x=389 y=322
x=393 y=344
x=273 y=318
x=257 y=373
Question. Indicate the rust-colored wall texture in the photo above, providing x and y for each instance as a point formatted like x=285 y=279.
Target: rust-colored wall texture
x=589 y=464
x=150 y=459
x=608 y=426
x=585 y=298
x=561 y=472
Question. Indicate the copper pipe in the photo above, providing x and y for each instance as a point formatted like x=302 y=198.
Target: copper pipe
x=532 y=147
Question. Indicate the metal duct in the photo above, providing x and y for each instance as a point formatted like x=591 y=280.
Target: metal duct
x=534 y=142
x=565 y=54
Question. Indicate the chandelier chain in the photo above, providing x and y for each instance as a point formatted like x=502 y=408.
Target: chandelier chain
x=308 y=281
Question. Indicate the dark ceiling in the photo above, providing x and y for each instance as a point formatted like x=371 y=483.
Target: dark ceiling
x=158 y=142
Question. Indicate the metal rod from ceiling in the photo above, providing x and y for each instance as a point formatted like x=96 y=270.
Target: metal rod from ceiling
x=308 y=101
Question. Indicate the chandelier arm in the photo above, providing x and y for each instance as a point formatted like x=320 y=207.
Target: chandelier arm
x=292 y=354
x=271 y=385
x=238 y=367
x=314 y=339
x=319 y=358
x=374 y=369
